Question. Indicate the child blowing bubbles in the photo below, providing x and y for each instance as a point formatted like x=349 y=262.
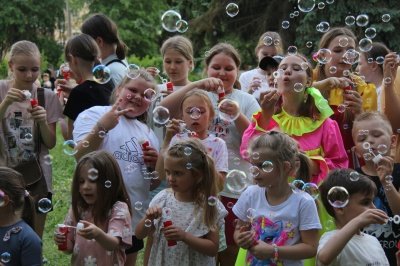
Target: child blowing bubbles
x=285 y=224
x=372 y=134
x=196 y=214
x=106 y=218
x=348 y=245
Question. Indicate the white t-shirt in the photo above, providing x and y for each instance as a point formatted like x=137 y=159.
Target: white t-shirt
x=229 y=133
x=189 y=217
x=362 y=249
x=123 y=142
x=215 y=146
x=246 y=78
x=280 y=224
x=118 y=70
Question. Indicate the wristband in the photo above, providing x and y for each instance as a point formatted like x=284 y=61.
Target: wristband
x=276 y=253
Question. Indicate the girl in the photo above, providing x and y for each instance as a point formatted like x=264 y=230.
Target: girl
x=303 y=115
x=197 y=115
x=333 y=77
x=119 y=130
x=17 y=221
x=106 y=218
x=255 y=81
x=275 y=224
x=22 y=122
x=195 y=213
x=112 y=49
x=81 y=53
x=222 y=64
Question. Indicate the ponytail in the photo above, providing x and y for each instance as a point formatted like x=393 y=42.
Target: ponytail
x=29 y=213
x=304 y=171
x=121 y=50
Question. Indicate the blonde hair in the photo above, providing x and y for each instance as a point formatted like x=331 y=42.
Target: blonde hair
x=24 y=47
x=180 y=44
x=205 y=175
x=369 y=116
x=276 y=41
x=203 y=95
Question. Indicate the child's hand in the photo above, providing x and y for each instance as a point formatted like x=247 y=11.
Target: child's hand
x=390 y=66
x=209 y=84
x=255 y=84
x=150 y=156
x=173 y=128
x=14 y=95
x=268 y=101
x=261 y=250
x=63 y=87
x=59 y=238
x=385 y=168
x=153 y=213
x=90 y=231
x=38 y=113
x=353 y=101
x=174 y=233
x=371 y=216
x=110 y=119
x=334 y=82
x=230 y=108
x=153 y=71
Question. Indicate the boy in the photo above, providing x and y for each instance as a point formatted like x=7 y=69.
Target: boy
x=348 y=245
x=373 y=130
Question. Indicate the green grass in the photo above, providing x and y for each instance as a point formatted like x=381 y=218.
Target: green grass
x=63 y=167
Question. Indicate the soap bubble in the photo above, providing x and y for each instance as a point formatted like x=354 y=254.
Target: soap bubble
x=311 y=189
x=268 y=41
x=346 y=73
x=351 y=57
x=309 y=44
x=379 y=60
x=189 y=166
x=382 y=149
x=232 y=9
x=298 y=87
x=324 y=56
x=350 y=20
x=182 y=26
x=187 y=151
x=150 y=95
x=251 y=213
x=236 y=181
x=255 y=155
x=291 y=15
x=370 y=33
x=166 y=213
x=332 y=69
x=365 y=45
x=44 y=205
x=107 y=184
x=69 y=147
x=28 y=137
x=304 y=65
x=341 y=108
x=285 y=24
x=366 y=145
x=85 y=143
x=230 y=205
x=254 y=171
x=267 y=166
x=343 y=42
x=386 y=17
x=228 y=117
x=297 y=184
x=338 y=197
x=362 y=20
x=101 y=74
x=323 y=26
x=169 y=20
x=354 y=176
x=389 y=179
x=138 y=205
x=5 y=257
x=330 y=2
x=195 y=113
x=387 y=80
x=292 y=50
x=306 y=5
x=148 y=223
x=48 y=159
x=368 y=156
x=321 y=5
x=132 y=71
x=296 y=13
x=102 y=134
x=160 y=115
x=212 y=201
x=93 y=174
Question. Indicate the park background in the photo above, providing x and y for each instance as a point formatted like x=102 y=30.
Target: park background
x=51 y=23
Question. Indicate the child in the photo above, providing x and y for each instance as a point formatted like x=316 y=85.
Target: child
x=21 y=121
x=285 y=224
x=100 y=202
x=303 y=115
x=197 y=115
x=196 y=214
x=81 y=53
x=119 y=129
x=17 y=216
x=112 y=49
x=374 y=130
x=222 y=65
x=347 y=245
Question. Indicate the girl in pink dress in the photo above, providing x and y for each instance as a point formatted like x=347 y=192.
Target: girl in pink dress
x=101 y=205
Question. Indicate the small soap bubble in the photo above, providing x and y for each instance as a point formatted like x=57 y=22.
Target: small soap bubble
x=292 y=50
x=255 y=155
x=132 y=71
x=101 y=74
x=368 y=156
x=323 y=26
x=304 y=65
x=296 y=13
x=341 y=108
x=285 y=24
x=85 y=143
x=338 y=197
x=169 y=20
x=182 y=26
x=225 y=116
x=93 y=174
x=48 y=159
x=138 y=205
x=251 y=213
x=150 y=95
x=332 y=69
x=324 y=56
x=354 y=176
x=386 y=17
x=330 y=2
x=382 y=149
x=291 y=15
x=69 y=147
x=309 y=44
x=277 y=42
x=389 y=179
x=268 y=41
x=351 y=57
x=195 y=113
x=346 y=126
x=379 y=60
x=297 y=184
x=298 y=87
x=321 y=5
x=166 y=213
x=370 y=33
x=28 y=137
x=44 y=205
x=5 y=257
x=343 y=42
x=387 y=80
x=232 y=9
x=187 y=151
x=236 y=181
x=370 y=60
x=362 y=20
x=212 y=201
x=267 y=166
x=306 y=5
x=160 y=115
x=254 y=171
x=102 y=134
x=365 y=45
x=311 y=189
x=346 y=73
x=366 y=145
x=107 y=184
x=130 y=168
x=189 y=166
x=350 y=20
x=148 y=223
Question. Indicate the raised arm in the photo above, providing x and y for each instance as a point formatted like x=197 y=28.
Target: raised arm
x=392 y=101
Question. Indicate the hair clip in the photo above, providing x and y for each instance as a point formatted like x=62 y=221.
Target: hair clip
x=26 y=193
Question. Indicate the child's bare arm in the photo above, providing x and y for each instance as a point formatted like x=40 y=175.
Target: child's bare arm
x=91 y=231
x=143 y=229
x=338 y=241
x=385 y=170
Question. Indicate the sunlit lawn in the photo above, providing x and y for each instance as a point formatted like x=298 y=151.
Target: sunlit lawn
x=63 y=167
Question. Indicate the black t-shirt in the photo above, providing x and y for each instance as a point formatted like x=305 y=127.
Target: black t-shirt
x=388 y=234
x=86 y=95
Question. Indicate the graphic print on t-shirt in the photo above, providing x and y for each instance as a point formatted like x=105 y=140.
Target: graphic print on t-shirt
x=130 y=152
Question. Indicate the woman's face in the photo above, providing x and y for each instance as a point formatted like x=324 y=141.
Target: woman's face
x=338 y=47
x=177 y=67
x=223 y=66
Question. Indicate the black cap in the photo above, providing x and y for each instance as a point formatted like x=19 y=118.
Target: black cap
x=269 y=61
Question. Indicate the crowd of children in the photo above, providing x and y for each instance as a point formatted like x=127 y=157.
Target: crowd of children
x=243 y=171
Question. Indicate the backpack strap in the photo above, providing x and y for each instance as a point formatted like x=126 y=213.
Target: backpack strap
x=41 y=99
x=116 y=60
x=42 y=102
